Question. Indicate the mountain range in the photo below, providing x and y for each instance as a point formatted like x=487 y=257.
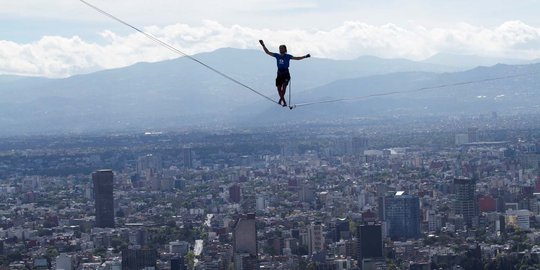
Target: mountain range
x=180 y=92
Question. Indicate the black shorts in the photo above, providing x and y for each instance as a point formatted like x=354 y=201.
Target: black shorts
x=283 y=76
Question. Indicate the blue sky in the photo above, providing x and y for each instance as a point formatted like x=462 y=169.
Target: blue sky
x=64 y=37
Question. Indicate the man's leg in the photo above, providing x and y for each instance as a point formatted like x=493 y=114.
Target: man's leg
x=284 y=90
x=280 y=95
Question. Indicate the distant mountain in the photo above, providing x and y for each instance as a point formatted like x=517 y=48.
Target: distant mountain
x=180 y=92
x=502 y=88
x=472 y=61
x=11 y=78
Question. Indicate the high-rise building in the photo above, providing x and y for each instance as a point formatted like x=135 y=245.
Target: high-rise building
x=461 y=138
x=403 y=216
x=188 y=157
x=359 y=145
x=178 y=263
x=138 y=235
x=518 y=219
x=465 y=203
x=149 y=163
x=245 y=235
x=370 y=241
x=315 y=238
x=152 y=181
x=500 y=225
x=434 y=220
x=244 y=261
x=179 y=247
x=139 y=258
x=487 y=204
x=472 y=134
x=64 y=262
x=341 y=230
x=260 y=202
x=245 y=243
x=381 y=215
x=235 y=193
x=103 y=196
x=306 y=193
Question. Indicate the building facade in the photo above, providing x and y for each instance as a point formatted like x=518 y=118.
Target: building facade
x=465 y=203
x=245 y=246
x=104 y=199
x=139 y=258
x=403 y=216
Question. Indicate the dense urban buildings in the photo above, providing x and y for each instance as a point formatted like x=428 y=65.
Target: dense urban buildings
x=318 y=197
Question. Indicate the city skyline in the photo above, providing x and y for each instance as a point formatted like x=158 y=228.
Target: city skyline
x=411 y=139
x=317 y=197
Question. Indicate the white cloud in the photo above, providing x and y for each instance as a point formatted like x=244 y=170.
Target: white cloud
x=55 y=56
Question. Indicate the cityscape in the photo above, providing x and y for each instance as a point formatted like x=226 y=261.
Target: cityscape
x=269 y=135
x=437 y=192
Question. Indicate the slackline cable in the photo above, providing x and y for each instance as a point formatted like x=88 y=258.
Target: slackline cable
x=170 y=47
x=412 y=90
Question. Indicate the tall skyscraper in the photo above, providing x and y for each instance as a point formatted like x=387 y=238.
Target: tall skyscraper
x=461 y=139
x=472 y=134
x=359 y=145
x=315 y=238
x=341 y=230
x=402 y=213
x=245 y=243
x=306 y=193
x=178 y=263
x=104 y=200
x=370 y=242
x=235 y=193
x=188 y=157
x=465 y=203
x=149 y=163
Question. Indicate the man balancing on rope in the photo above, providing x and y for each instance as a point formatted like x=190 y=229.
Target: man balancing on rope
x=283 y=75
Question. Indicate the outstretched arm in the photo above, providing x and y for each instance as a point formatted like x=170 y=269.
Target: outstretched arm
x=265 y=49
x=301 y=57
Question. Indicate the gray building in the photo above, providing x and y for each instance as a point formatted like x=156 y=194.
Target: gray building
x=104 y=200
x=245 y=243
x=402 y=213
x=139 y=258
x=465 y=203
x=370 y=241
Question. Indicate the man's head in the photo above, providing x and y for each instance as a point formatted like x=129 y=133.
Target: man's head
x=282 y=49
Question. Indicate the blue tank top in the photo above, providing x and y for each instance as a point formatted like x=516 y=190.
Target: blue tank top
x=282 y=62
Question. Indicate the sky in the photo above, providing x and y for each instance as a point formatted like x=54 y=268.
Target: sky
x=62 y=38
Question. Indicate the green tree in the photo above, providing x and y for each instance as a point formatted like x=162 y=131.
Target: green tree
x=352 y=227
x=100 y=252
x=190 y=260
x=51 y=253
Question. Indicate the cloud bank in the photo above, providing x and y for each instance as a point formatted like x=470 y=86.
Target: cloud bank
x=56 y=56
